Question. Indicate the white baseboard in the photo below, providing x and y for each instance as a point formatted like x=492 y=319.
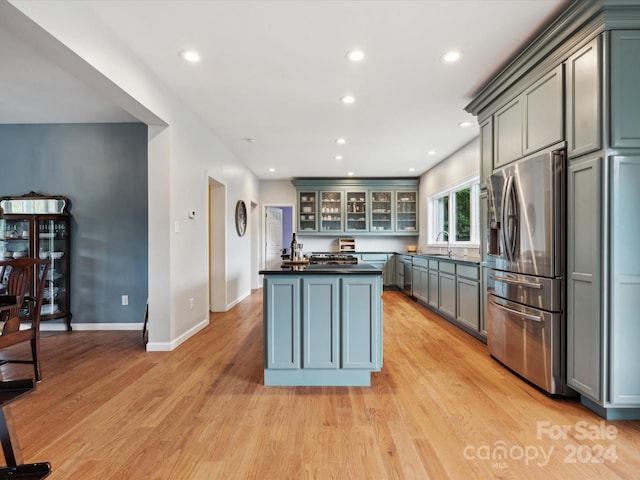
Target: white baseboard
x=59 y=327
x=151 y=346
x=229 y=306
x=169 y=346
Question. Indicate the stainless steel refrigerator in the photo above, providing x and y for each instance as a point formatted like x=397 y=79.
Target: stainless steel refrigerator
x=526 y=328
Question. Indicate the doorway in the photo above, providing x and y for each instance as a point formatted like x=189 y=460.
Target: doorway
x=278 y=232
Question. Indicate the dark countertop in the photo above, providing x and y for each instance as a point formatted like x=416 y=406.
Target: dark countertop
x=324 y=269
x=469 y=260
x=453 y=258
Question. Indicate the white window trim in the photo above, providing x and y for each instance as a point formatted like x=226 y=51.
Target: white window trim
x=432 y=233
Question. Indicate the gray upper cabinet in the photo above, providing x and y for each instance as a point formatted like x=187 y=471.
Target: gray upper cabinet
x=584 y=99
x=507 y=133
x=358 y=206
x=543 y=108
x=486 y=151
x=530 y=122
x=625 y=94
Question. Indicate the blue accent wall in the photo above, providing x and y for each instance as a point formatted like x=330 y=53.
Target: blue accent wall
x=102 y=168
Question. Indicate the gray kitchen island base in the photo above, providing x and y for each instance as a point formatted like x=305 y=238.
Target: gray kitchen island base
x=322 y=325
x=317 y=378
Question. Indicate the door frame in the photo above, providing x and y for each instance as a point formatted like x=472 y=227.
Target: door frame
x=263 y=226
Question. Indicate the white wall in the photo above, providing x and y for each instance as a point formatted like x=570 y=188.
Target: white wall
x=460 y=166
x=182 y=157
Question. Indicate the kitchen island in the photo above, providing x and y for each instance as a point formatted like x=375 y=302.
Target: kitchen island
x=322 y=325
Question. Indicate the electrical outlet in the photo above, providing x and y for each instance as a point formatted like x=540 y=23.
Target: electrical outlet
x=125 y=299
x=192 y=303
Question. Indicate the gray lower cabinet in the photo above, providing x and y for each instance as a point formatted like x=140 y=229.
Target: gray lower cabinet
x=420 y=279
x=584 y=240
x=447 y=292
x=281 y=305
x=625 y=282
x=433 y=289
x=399 y=272
x=320 y=322
x=602 y=333
x=468 y=296
x=361 y=323
x=384 y=262
x=452 y=289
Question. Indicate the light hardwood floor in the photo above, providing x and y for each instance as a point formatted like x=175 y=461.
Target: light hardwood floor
x=440 y=409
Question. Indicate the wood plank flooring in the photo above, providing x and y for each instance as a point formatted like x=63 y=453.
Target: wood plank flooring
x=440 y=409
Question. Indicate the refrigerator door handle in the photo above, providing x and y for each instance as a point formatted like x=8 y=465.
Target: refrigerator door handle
x=528 y=316
x=504 y=234
x=498 y=278
x=510 y=213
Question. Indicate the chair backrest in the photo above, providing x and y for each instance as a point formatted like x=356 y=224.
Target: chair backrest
x=19 y=275
x=35 y=271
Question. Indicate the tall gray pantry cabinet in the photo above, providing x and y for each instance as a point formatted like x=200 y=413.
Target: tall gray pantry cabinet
x=586 y=70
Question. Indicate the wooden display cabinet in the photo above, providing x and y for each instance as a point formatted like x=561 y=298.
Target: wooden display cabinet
x=34 y=225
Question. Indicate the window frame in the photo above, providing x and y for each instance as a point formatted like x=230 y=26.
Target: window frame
x=434 y=215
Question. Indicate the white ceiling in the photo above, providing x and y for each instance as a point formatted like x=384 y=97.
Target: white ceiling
x=274 y=71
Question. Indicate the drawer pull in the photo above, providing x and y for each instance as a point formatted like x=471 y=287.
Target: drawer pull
x=510 y=281
x=528 y=316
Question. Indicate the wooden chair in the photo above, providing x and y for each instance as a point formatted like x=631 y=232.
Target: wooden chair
x=26 y=279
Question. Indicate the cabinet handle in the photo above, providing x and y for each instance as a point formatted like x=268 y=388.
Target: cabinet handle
x=537 y=286
x=535 y=318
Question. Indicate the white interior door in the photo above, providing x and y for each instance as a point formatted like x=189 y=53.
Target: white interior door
x=273 y=237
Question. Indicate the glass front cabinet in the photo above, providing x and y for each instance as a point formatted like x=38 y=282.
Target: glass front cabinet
x=362 y=206
x=307 y=215
x=381 y=211
x=406 y=211
x=35 y=226
x=331 y=211
x=356 y=215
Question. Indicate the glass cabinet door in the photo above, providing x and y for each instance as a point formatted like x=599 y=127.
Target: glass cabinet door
x=331 y=211
x=15 y=236
x=381 y=204
x=406 y=211
x=307 y=215
x=356 y=211
x=53 y=245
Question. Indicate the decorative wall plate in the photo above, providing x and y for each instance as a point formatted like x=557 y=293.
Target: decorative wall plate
x=241 y=218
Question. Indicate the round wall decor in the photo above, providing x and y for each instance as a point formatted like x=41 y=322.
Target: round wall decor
x=241 y=218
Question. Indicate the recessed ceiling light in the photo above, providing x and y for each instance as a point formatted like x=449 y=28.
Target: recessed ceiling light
x=190 y=56
x=350 y=174
x=272 y=169
x=465 y=124
x=431 y=152
x=411 y=169
x=355 y=55
x=451 y=56
x=338 y=157
x=341 y=141
x=348 y=99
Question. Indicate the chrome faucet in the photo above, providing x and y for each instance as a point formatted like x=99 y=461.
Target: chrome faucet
x=447 y=234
